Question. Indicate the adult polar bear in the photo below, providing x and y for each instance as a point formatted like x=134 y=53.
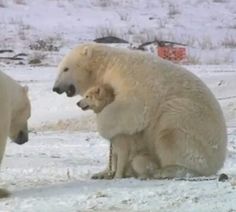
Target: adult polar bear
x=14 y=113
x=182 y=122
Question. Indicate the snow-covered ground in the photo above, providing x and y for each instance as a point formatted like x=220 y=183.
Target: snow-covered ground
x=52 y=171
x=208 y=27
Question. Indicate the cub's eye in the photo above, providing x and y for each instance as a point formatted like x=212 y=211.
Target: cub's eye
x=86 y=97
x=66 y=69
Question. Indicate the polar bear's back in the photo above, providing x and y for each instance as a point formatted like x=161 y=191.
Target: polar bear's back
x=155 y=79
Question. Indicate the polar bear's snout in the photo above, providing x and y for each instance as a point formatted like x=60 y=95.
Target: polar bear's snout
x=70 y=90
x=22 y=136
x=83 y=105
x=57 y=90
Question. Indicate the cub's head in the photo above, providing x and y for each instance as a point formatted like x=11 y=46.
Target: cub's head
x=96 y=98
x=20 y=115
x=77 y=70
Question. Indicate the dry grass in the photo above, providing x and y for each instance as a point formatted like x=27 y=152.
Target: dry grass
x=23 y=31
x=112 y=3
x=193 y=60
x=2 y=3
x=105 y=3
x=229 y=42
x=106 y=31
x=206 y=43
x=219 y=1
x=162 y=23
x=47 y=44
x=190 y=41
x=173 y=10
x=218 y=60
x=37 y=58
x=21 y=2
x=124 y=16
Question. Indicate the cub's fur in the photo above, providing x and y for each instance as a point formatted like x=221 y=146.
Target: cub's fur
x=129 y=156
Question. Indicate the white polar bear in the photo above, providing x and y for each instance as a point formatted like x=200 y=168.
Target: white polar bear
x=181 y=121
x=14 y=112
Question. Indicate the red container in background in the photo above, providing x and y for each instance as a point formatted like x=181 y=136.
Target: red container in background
x=175 y=54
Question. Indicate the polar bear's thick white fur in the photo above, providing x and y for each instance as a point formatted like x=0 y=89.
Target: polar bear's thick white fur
x=14 y=113
x=181 y=120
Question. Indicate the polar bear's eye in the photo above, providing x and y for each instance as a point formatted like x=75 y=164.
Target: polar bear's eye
x=66 y=69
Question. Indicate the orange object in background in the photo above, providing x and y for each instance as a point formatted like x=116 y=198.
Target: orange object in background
x=175 y=54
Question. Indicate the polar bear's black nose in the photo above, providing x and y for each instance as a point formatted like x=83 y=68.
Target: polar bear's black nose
x=22 y=138
x=57 y=90
x=79 y=104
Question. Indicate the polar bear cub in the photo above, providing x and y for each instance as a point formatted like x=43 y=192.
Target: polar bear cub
x=14 y=112
x=97 y=97
x=129 y=157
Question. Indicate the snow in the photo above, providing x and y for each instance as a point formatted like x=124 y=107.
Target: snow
x=52 y=171
x=206 y=26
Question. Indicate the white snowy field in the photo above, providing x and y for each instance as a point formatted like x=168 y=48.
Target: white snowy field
x=52 y=171
x=206 y=26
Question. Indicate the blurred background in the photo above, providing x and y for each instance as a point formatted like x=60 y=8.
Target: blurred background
x=45 y=29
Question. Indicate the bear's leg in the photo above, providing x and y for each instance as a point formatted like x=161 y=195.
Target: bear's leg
x=143 y=166
x=120 y=156
x=175 y=171
x=181 y=151
x=121 y=165
x=3 y=140
x=113 y=161
x=120 y=147
x=129 y=172
x=2 y=147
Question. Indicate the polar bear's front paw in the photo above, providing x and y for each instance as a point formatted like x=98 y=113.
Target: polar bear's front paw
x=104 y=175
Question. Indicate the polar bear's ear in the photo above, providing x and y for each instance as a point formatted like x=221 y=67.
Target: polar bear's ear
x=87 y=51
x=26 y=88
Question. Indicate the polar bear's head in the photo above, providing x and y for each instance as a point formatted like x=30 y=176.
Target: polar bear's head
x=20 y=115
x=76 y=71
x=96 y=98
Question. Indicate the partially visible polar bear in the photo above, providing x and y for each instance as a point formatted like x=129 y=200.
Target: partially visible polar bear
x=181 y=121
x=14 y=112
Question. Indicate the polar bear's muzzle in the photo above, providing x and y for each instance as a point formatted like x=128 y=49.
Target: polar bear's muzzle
x=57 y=90
x=22 y=137
x=83 y=105
x=70 y=90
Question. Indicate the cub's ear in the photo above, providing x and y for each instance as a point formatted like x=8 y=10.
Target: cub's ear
x=26 y=88
x=86 y=51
